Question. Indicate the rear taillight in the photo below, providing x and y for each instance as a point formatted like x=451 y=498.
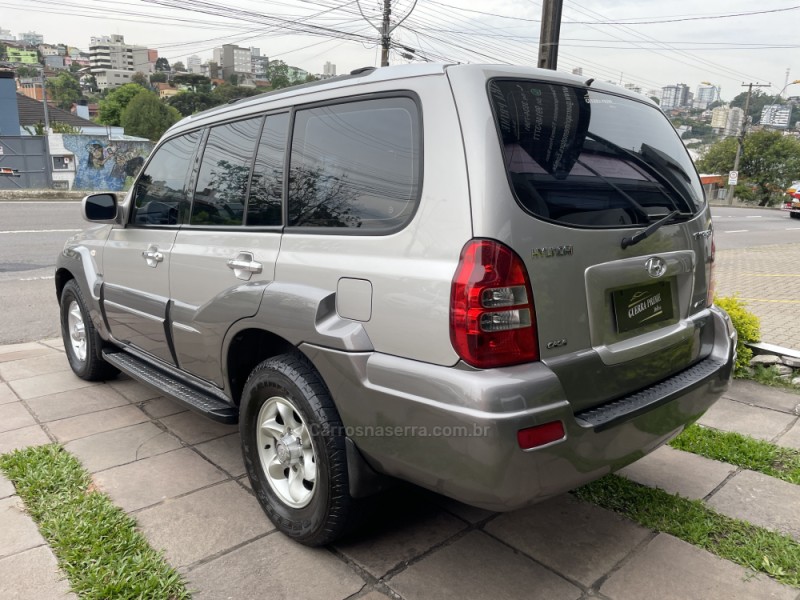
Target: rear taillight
x=492 y=321
x=710 y=273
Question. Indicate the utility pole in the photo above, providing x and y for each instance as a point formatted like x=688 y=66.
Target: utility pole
x=549 y=34
x=740 y=145
x=385 y=31
x=386 y=27
x=47 y=160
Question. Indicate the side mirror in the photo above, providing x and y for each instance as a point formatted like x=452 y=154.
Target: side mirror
x=100 y=208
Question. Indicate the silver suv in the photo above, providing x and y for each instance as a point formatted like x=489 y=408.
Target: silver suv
x=492 y=282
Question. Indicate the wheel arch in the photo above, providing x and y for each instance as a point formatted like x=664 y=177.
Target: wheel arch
x=246 y=349
x=62 y=277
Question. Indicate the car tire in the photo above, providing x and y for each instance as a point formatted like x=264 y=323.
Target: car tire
x=293 y=445
x=82 y=342
x=794 y=215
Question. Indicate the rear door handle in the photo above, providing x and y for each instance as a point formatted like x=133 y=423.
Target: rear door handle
x=244 y=265
x=153 y=256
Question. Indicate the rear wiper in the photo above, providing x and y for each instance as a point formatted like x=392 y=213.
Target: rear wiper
x=638 y=237
x=642 y=161
x=637 y=208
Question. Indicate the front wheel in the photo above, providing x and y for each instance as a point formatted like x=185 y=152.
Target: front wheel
x=794 y=215
x=82 y=343
x=294 y=450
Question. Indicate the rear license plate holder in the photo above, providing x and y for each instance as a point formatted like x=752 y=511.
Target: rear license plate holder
x=642 y=305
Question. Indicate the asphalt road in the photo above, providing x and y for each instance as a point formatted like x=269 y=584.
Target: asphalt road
x=748 y=227
x=31 y=236
x=33 y=233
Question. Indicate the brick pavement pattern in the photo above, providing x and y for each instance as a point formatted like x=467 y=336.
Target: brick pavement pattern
x=767 y=278
x=181 y=477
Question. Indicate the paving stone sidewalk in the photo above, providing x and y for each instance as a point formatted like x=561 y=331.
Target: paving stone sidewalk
x=767 y=278
x=181 y=476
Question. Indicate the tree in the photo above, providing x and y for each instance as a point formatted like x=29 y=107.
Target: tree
x=188 y=103
x=178 y=66
x=64 y=90
x=147 y=116
x=758 y=100
x=140 y=78
x=234 y=79
x=278 y=74
x=769 y=163
x=162 y=64
x=198 y=83
x=225 y=93
x=158 y=78
x=74 y=67
x=89 y=81
x=112 y=106
x=24 y=71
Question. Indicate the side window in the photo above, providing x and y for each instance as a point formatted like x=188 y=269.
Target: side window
x=220 y=194
x=160 y=197
x=264 y=206
x=355 y=165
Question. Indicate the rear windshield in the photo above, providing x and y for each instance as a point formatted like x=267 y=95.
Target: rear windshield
x=591 y=159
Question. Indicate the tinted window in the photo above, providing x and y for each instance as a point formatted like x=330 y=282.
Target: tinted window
x=160 y=196
x=221 y=190
x=264 y=205
x=590 y=158
x=355 y=165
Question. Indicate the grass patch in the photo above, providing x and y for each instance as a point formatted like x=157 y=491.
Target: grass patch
x=692 y=521
x=96 y=543
x=742 y=451
x=770 y=376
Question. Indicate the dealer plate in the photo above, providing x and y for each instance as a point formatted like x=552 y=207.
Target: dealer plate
x=642 y=305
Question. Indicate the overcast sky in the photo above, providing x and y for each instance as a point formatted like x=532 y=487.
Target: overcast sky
x=719 y=41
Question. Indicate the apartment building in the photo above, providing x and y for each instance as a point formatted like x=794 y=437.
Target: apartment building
x=25 y=57
x=113 y=62
x=675 y=96
x=706 y=94
x=259 y=64
x=194 y=64
x=328 y=70
x=234 y=60
x=776 y=116
x=30 y=38
x=727 y=121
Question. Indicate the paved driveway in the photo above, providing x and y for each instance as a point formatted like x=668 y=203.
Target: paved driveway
x=181 y=476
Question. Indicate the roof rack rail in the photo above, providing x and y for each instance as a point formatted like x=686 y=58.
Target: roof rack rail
x=363 y=70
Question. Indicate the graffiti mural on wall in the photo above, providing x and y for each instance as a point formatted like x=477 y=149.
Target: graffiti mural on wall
x=101 y=164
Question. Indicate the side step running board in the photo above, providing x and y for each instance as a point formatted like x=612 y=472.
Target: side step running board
x=204 y=401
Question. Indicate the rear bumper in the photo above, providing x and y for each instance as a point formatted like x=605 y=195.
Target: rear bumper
x=454 y=430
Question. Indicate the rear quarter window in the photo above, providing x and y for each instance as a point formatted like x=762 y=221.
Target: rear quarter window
x=585 y=158
x=355 y=166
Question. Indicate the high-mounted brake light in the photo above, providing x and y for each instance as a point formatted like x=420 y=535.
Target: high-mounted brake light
x=492 y=320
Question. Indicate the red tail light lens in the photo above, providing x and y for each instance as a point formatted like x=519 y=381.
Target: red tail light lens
x=533 y=437
x=492 y=320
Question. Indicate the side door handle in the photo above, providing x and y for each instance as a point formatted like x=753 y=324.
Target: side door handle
x=153 y=256
x=244 y=265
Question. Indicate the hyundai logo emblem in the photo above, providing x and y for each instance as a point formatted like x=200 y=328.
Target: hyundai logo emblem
x=655 y=266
